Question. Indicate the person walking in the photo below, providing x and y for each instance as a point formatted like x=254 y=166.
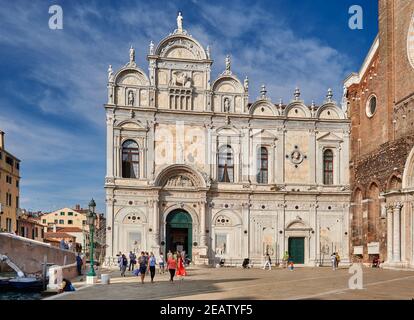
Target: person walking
x=161 y=263
x=143 y=262
x=180 y=267
x=338 y=259
x=79 y=263
x=333 y=261
x=268 y=262
x=132 y=261
x=124 y=264
x=119 y=255
x=169 y=254
x=172 y=265
x=152 y=262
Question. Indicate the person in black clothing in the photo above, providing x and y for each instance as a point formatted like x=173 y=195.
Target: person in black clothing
x=79 y=263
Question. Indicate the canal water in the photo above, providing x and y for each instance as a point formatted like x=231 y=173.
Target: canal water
x=16 y=295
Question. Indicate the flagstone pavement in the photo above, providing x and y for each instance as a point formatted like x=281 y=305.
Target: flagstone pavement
x=239 y=284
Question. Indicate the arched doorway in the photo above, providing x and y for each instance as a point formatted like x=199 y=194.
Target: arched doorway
x=179 y=232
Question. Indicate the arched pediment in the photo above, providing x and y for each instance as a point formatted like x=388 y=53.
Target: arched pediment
x=181 y=47
x=227 y=84
x=180 y=177
x=130 y=76
x=227 y=130
x=130 y=125
x=297 y=110
x=330 y=111
x=230 y=217
x=129 y=215
x=263 y=108
x=297 y=225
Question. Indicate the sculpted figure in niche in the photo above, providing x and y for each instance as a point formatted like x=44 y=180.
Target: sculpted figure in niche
x=131 y=98
x=226 y=105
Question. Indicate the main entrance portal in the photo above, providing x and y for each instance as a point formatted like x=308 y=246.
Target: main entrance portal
x=179 y=232
x=297 y=250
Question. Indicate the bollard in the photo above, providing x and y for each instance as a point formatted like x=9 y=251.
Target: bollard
x=105 y=278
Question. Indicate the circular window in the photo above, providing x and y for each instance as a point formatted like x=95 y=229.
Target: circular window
x=371 y=106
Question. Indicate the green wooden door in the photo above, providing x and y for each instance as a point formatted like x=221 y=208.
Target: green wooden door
x=179 y=230
x=297 y=250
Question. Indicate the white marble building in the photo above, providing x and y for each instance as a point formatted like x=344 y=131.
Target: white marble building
x=192 y=165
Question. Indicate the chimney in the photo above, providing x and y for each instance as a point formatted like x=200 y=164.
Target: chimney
x=1 y=140
x=77 y=207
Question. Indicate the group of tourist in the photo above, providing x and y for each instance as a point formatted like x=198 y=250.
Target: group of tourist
x=335 y=259
x=147 y=263
x=287 y=261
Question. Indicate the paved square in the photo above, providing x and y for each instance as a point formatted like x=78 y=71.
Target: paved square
x=236 y=283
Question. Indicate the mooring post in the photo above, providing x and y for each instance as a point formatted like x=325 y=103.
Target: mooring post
x=44 y=271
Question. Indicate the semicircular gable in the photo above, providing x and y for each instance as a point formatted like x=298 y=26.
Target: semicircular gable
x=131 y=77
x=263 y=108
x=227 y=84
x=181 y=47
x=297 y=110
x=330 y=111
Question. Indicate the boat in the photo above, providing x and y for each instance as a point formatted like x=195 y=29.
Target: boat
x=26 y=284
x=4 y=283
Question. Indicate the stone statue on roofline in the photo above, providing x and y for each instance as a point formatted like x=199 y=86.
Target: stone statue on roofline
x=180 y=22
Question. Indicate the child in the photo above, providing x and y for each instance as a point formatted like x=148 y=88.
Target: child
x=291 y=266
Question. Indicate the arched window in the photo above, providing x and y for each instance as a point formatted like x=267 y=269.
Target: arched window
x=225 y=165
x=130 y=159
x=328 y=167
x=262 y=165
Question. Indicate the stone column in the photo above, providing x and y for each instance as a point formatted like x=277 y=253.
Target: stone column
x=156 y=219
x=109 y=227
x=397 y=232
x=109 y=146
x=312 y=156
x=389 y=233
x=203 y=241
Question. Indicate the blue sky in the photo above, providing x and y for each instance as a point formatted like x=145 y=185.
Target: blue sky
x=53 y=82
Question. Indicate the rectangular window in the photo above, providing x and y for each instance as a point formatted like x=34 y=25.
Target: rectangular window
x=56 y=221
x=22 y=231
x=33 y=234
x=36 y=232
x=328 y=167
x=61 y=222
x=8 y=225
x=8 y=199
x=62 y=213
x=84 y=222
x=17 y=183
x=70 y=221
x=9 y=179
x=9 y=160
x=44 y=221
x=70 y=213
x=17 y=165
x=17 y=202
x=42 y=233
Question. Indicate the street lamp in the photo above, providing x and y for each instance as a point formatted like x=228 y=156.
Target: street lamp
x=91 y=222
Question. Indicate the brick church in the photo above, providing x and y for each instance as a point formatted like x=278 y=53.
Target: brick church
x=381 y=108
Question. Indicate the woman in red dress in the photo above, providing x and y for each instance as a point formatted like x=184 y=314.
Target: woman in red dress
x=180 y=267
